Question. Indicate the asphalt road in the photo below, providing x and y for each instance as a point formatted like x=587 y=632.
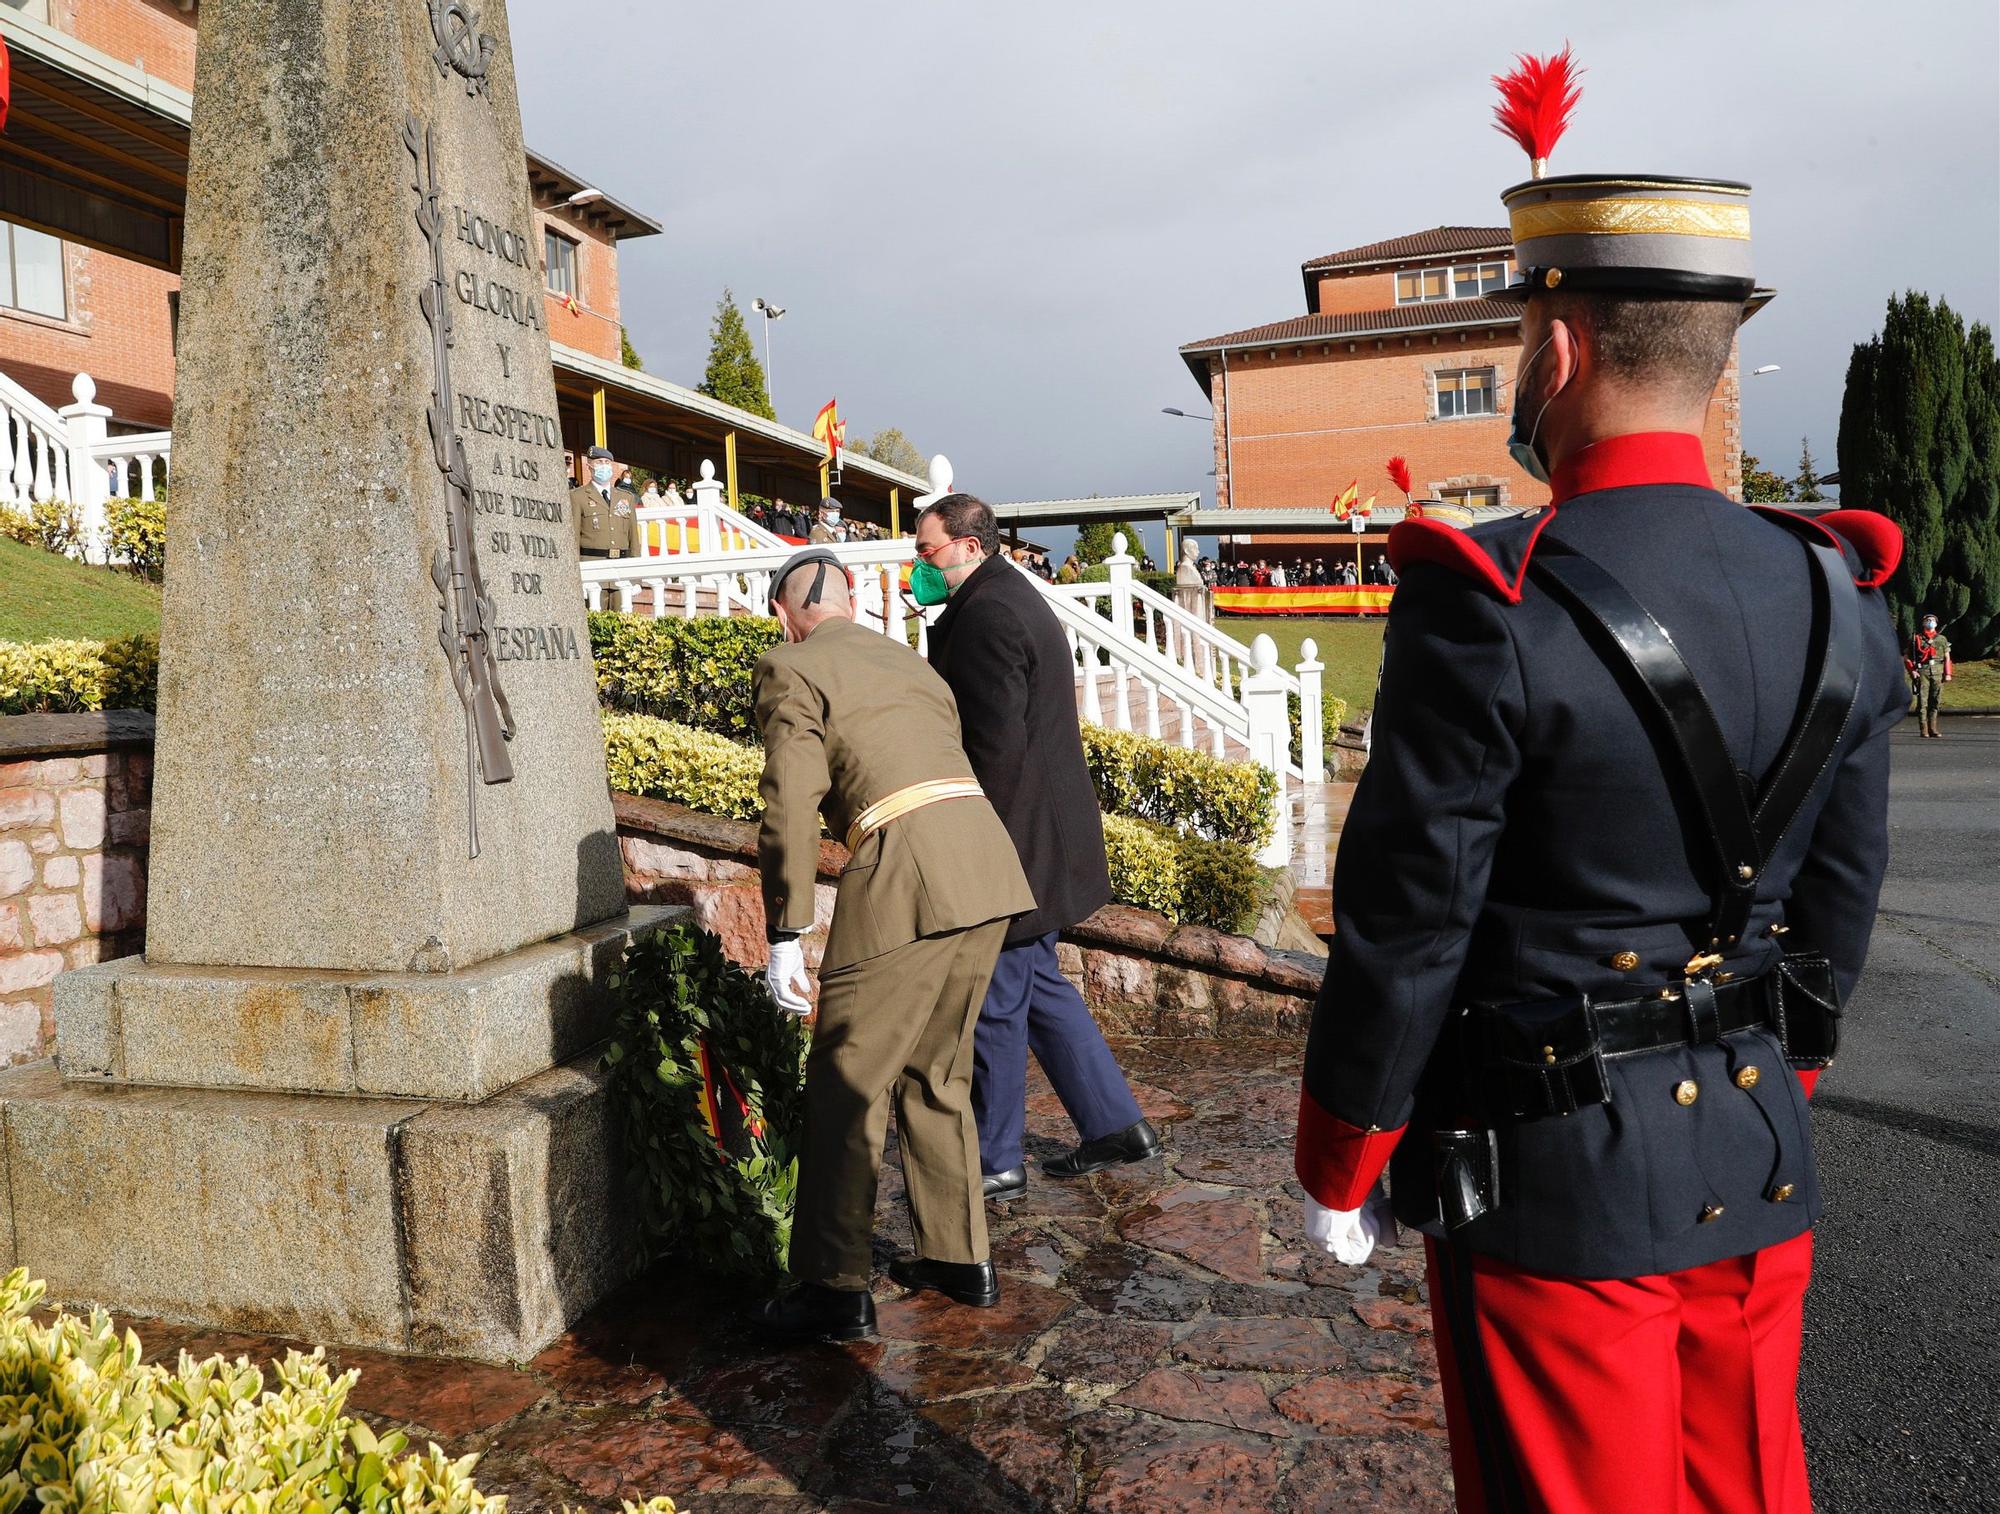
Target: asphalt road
x=1901 y=1384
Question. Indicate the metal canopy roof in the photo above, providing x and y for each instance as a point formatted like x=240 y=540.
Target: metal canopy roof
x=1322 y=522
x=1064 y=512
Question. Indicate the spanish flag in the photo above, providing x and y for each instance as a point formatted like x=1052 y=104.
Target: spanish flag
x=1343 y=503
x=6 y=82
x=829 y=428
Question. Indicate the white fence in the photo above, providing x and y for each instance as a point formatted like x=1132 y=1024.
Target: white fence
x=68 y=454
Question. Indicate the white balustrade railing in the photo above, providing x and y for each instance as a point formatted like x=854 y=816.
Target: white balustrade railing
x=69 y=454
x=705 y=524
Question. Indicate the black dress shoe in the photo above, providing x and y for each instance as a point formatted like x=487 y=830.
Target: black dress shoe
x=1134 y=1143
x=1002 y=1186
x=962 y=1282
x=813 y=1311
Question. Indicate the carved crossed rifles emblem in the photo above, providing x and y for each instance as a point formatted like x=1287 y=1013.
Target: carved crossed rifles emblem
x=461 y=45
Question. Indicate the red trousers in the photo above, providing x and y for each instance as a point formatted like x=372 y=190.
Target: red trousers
x=1670 y=1394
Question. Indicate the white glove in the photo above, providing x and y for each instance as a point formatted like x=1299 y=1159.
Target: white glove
x=1349 y=1235
x=785 y=977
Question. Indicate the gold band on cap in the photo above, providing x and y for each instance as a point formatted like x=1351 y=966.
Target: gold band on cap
x=903 y=801
x=1631 y=217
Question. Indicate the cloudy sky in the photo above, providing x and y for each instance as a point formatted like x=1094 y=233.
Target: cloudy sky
x=992 y=226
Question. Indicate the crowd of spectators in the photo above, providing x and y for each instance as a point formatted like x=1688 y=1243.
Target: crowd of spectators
x=1301 y=573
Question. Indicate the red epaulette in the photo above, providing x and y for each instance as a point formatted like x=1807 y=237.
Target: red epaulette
x=1875 y=539
x=1494 y=554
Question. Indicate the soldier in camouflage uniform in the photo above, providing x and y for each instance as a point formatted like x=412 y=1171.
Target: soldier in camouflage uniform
x=1928 y=659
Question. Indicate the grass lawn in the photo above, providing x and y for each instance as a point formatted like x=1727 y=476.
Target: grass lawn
x=44 y=597
x=1973 y=686
x=1350 y=647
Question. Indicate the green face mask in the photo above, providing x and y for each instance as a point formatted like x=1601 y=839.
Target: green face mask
x=928 y=585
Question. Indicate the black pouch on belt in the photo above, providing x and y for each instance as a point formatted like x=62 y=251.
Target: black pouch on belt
x=1808 y=1009
x=1467 y=1168
x=1541 y=1059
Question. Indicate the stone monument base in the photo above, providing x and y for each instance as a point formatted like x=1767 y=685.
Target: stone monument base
x=478 y=1228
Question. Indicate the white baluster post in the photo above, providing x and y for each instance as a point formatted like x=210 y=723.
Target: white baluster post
x=1312 y=737
x=1270 y=740
x=708 y=492
x=1121 y=563
x=85 y=423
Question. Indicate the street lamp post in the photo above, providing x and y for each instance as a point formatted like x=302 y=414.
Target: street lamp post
x=770 y=313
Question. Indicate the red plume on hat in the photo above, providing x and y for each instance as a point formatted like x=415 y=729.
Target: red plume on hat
x=1536 y=100
x=1399 y=475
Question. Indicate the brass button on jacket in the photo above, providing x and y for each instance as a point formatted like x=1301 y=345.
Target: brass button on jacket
x=1625 y=961
x=1782 y=1192
x=1710 y=1213
x=1746 y=1078
x=1686 y=1091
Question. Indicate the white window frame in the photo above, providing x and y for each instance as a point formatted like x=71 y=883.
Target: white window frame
x=13 y=300
x=575 y=290
x=1496 y=269
x=1463 y=502
x=1492 y=372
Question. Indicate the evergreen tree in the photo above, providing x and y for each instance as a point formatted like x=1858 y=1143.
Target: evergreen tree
x=734 y=375
x=627 y=353
x=1805 y=488
x=1917 y=432
x=1760 y=485
x=1093 y=540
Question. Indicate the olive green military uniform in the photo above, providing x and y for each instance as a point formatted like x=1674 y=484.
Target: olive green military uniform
x=848 y=718
x=1929 y=660
x=605 y=527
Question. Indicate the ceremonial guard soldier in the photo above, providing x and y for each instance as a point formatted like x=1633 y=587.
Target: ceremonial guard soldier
x=1609 y=871
x=855 y=725
x=606 y=513
x=1928 y=662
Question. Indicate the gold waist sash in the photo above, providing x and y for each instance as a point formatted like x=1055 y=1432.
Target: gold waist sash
x=903 y=801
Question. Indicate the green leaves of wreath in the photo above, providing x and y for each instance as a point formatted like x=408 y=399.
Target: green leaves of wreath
x=725 y=1203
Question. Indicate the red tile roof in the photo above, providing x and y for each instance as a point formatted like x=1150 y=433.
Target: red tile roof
x=1437 y=242
x=1399 y=320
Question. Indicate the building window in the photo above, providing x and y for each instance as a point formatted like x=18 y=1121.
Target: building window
x=1466 y=281
x=33 y=277
x=1487 y=498
x=1464 y=391
x=559 y=254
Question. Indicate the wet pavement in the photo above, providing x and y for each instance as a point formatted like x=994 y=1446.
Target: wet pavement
x=1163 y=1343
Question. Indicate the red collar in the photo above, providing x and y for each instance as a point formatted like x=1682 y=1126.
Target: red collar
x=1642 y=457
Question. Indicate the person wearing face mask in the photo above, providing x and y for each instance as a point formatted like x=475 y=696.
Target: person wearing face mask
x=857 y=728
x=604 y=509
x=828 y=527
x=1002 y=651
x=1610 y=868
x=1927 y=659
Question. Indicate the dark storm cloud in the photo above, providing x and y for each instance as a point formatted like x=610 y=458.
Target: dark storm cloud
x=992 y=226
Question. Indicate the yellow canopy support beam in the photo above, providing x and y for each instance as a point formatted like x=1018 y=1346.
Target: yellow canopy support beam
x=729 y=468
x=825 y=486
x=599 y=427
x=895 y=510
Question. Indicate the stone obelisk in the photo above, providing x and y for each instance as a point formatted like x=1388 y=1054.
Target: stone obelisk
x=350 y=1092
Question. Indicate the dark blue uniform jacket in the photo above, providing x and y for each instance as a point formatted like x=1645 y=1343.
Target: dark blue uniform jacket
x=1516 y=832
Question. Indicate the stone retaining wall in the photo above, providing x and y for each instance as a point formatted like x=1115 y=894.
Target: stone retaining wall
x=75 y=792
x=74 y=810
x=1139 y=973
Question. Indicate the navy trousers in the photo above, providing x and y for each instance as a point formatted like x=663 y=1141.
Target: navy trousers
x=1031 y=1005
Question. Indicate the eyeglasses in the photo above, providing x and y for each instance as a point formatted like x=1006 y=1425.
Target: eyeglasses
x=927 y=553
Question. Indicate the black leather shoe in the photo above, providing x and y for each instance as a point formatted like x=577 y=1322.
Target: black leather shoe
x=1135 y=1143
x=1002 y=1186
x=812 y=1311
x=962 y=1282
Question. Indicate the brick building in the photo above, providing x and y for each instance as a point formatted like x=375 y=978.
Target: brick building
x=1401 y=352
x=93 y=182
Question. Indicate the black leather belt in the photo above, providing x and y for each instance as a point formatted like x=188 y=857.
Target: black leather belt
x=1693 y=1015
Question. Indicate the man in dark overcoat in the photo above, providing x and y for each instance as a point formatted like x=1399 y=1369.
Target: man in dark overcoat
x=1000 y=647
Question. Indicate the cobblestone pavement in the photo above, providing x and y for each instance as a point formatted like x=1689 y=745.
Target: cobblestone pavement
x=1163 y=1343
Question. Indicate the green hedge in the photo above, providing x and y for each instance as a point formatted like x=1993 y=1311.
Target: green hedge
x=1188 y=878
x=695 y=672
x=50 y=524
x=722 y=1198
x=67 y=676
x=1161 y=583
x=1332 y=710
x=1154 y=780
x=88 y=1427
x=658 y=759
x=138 y=530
